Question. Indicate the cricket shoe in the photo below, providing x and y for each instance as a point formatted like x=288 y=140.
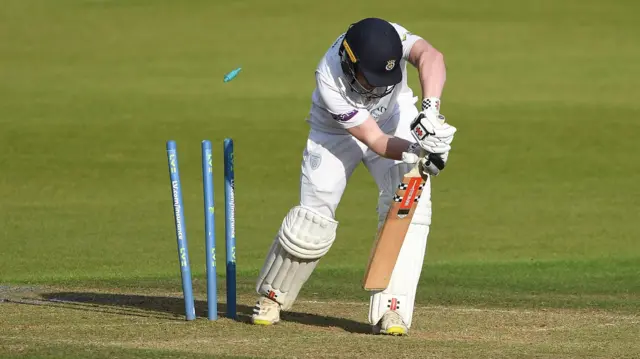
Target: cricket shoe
x=391 y=324
x=265 y=312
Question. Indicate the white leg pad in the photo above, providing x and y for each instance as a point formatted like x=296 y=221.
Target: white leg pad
x=401 y=292
x=304 y=237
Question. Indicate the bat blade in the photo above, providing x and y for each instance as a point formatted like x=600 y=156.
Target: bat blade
x=386 y=248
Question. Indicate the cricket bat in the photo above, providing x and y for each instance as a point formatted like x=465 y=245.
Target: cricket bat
x=386 y=247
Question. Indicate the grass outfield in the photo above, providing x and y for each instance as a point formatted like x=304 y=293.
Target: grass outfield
x=534 y=245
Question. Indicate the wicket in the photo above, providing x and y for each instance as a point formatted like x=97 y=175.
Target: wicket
x=209 y=224
x=230 y=225
x=209 y=230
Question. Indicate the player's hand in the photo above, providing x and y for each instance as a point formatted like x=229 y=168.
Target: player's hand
x=432 y=132
x=433 y=163
x=429 y=164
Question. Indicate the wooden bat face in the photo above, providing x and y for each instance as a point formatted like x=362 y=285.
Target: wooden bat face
x=391 y=236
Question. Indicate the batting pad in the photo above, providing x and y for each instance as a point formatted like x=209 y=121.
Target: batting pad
x=304 y=237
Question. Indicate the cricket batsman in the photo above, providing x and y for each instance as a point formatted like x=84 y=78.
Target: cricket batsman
x=363 y=110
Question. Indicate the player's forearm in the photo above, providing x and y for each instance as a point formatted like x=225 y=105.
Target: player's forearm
x=390 y=147
x=382 y=144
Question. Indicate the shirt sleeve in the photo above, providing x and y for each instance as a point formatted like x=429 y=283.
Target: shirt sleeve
x=345 y=114
x=408 y=39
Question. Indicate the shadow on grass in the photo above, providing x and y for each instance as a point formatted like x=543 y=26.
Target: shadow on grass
x=138 y=305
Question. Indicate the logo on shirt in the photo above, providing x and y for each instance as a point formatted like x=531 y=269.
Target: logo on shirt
x=390 y=65
x=315 y=160
x=344 y=116
x=378 y=112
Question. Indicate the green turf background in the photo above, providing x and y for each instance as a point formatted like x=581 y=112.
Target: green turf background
x=538 y=207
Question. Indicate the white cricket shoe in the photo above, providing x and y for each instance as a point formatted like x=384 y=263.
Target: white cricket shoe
x=391 y=324
x=265 y=312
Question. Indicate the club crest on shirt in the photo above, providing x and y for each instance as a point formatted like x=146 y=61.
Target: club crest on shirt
x=314 y=160
x=390 y=65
